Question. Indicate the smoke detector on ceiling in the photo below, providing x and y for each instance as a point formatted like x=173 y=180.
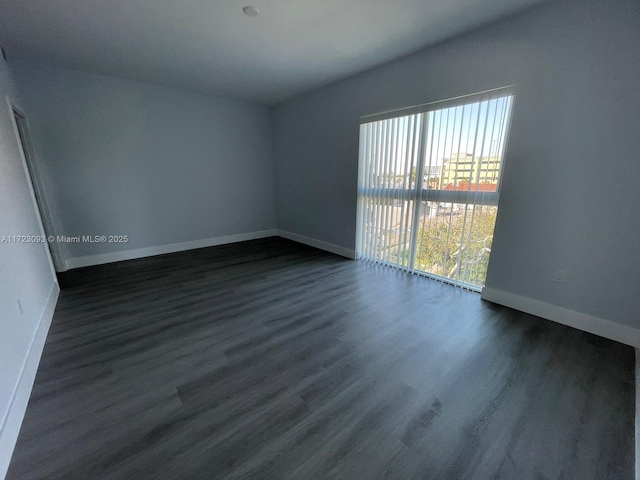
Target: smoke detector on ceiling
x=251 y=11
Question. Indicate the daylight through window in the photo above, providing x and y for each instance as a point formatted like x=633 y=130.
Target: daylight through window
x=429 y=184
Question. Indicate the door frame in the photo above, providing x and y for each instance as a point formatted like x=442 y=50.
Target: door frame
x=36 y=189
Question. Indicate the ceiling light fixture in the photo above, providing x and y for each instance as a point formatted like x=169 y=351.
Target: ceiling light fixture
x=251 y=11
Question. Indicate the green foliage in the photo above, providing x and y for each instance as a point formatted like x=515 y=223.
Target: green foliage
x=439 y=238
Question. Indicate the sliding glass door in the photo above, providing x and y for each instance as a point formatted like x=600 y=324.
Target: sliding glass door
x=429 y=184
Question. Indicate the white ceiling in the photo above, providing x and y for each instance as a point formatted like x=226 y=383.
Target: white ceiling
x=210 y=46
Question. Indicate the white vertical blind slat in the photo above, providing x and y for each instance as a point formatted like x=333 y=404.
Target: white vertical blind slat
x=376 y=181
x=387 y=182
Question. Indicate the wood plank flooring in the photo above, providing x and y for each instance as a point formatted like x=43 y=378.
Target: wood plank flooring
x=271 y=360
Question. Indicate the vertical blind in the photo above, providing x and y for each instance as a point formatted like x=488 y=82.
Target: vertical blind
x=429 y=183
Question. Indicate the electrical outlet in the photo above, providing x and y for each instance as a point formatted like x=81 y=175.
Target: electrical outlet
x=560 y=276
x=20 y=307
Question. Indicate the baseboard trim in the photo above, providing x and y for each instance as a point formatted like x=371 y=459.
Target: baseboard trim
x=89 y=260
x=312 y=242
x=10 y=428
x=597 y=326
x=637 y=414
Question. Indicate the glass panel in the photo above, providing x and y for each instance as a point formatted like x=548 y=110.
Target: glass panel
x=465 y=144
x=454 y=241
x=429 y=192
x=389 y=240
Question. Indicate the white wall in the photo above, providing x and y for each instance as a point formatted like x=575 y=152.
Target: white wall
x=162 y=166
x=25 y=275
x=571 y=194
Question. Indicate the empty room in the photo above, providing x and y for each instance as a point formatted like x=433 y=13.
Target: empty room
x=319 y=239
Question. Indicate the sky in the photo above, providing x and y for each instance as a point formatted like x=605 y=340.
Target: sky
x=476 y=128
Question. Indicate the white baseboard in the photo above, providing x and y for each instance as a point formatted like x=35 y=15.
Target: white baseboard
x=89 y=260
x=312 y=242
x=637 y=414
x=10 y=429
x=598 y=326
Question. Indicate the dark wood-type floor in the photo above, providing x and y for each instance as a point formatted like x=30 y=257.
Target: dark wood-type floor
x=271 y=360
